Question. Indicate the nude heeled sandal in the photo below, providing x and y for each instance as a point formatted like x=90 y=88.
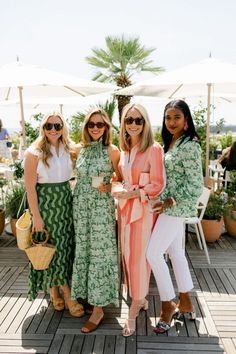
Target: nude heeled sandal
x=130 y=324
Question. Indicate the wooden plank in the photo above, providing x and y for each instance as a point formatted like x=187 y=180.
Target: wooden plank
x=109 y=346
x=150 y=316
x=23 y=306
x=218 y=282
x=207 y=318
x=178 y=345
x=88 y=344
x=131 y=345
x=38 y=317
x=55 y=321
x=77 y=345
x=56 y=344
x=202 y=281
x=99 y=343
x=10 y=278
x=48 y=314
x=209 y=280
x=67 y=344
x=229 y=345
x=231 y=280
x=8 y=313
x=120 y=345
x=214 y=298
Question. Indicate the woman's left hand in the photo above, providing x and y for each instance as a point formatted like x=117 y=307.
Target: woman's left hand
x=106 y=188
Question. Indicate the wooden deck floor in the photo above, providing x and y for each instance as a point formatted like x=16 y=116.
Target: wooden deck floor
x=34 y=327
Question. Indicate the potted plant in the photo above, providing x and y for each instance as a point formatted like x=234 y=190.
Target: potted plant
x=3 y=183
x=230 y=210
x=15 y=204
x=212 y=222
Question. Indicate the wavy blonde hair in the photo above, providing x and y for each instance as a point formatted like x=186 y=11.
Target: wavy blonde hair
x=43 y=145
x=147 y=138
x=107 y=135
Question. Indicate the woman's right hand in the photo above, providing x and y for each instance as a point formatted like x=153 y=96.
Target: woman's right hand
x=38 y=224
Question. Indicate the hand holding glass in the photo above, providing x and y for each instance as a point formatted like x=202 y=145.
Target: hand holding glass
x=97 y=181
x=116 y=187
x=155 y=205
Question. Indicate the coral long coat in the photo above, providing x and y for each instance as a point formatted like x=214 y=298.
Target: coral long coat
x=143 y=170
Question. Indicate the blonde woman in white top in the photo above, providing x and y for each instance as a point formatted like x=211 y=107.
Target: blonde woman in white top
x=48 y=168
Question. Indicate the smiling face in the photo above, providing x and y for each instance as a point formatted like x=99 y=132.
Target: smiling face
x=53 y=129
x=134 y=127
x=96 y=126
x=174 y=121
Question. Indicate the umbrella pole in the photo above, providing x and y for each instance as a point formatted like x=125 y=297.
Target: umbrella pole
x=61 y=108
x=22 y=116
x=208 y=131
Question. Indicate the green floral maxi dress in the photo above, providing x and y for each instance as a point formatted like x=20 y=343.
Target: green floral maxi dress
x=95 y=268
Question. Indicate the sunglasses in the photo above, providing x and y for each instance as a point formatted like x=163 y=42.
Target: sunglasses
x=49 y=126
x=138 y=120
x=99 y=125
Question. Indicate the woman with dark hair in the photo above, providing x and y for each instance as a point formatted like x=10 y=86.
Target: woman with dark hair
x=95 y=269
x=228 y=158
x=184 y=182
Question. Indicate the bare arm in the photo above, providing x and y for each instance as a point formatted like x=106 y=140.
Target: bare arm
x=77 y=148
x=30 y=173
x=114 y=154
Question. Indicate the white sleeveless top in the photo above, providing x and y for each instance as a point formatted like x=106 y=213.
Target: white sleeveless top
x=60 y=167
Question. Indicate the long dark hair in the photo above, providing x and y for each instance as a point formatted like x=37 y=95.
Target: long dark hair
x=189 y=133
x=231 y=163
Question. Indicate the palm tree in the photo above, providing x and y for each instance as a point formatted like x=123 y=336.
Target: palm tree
x=122 y=58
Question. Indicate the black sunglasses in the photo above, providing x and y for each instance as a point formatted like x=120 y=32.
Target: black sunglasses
x=99 y=125
x=138 y=120
x=49 y=126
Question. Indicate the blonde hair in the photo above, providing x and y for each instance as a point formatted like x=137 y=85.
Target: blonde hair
x=107 y=135
x=43 y=145
x=147 y=138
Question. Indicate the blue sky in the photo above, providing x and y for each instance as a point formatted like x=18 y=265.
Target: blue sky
x=59 y=34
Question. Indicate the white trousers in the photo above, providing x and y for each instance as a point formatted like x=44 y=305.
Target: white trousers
x=167 y=237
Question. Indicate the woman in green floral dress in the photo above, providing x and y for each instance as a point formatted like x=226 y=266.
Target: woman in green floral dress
x=95 y=269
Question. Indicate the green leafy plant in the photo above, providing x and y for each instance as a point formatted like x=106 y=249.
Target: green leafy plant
x=3 y=183
x=14 y=199
x=157 y=136
x=215 y=207
x=32 y=130
x=226 y=140
x=18 y=170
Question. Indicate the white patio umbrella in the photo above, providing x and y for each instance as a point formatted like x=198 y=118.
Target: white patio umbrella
x=18 y=79
x=208 y=77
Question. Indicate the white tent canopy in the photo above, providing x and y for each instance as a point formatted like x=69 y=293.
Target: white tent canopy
x=31 y=81
x=208 y=77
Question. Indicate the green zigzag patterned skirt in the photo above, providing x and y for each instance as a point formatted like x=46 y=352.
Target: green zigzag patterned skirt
x=55 y=205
